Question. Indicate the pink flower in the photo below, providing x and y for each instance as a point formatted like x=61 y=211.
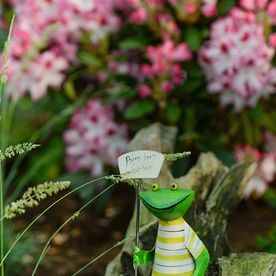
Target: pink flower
x=93 y=139
x=237 y=62
x=167 y=53
x=55 y=26
x=209 y=8
x=272 y=40
x=139 y=16
x=271 y=11
x=253 y=4
x=144 y=91
x=266 y=168
x=165 y=68
x=167 y=86
x=262 y=7
x=42 y=72
x=186 y=8
x=168 y=26
x=190 y=8
x=246 y=152
x=151 y=12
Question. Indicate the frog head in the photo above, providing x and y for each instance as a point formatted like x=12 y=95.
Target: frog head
x=167 y=204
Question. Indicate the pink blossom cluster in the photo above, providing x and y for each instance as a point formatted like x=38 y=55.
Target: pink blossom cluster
x=129 y=66
x=165 y=66
x=237 y=62
x=151 y=12
x=266 y=168
x=155 y=13
x=262 y=11
x=93 y=139
x=185 y=8
x=46 y=35
x=254 y=6
x=209 y=7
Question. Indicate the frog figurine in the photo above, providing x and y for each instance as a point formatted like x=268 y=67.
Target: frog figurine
x=178 y=250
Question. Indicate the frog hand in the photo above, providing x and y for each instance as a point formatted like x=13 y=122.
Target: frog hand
x=202 y=262
x=142 y=256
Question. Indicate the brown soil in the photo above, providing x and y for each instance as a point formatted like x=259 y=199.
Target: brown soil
x=250 y=219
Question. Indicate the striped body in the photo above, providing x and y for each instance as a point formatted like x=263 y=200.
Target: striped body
x=177 y=247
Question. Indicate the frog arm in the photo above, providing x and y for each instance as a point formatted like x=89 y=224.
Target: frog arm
x=202 y=262
x=141 y=256
x=198 y=251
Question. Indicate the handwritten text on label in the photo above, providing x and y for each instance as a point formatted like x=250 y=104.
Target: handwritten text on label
x=141 y=164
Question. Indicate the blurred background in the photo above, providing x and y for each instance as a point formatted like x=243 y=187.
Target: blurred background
x=84 y=76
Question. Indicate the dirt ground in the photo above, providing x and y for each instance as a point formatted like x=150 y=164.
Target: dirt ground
x=94 y=231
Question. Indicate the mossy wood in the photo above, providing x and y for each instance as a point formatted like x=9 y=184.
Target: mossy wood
x=219 y=190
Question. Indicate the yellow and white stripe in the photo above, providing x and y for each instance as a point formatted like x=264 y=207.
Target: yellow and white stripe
x=193 y=243
x=177 y=246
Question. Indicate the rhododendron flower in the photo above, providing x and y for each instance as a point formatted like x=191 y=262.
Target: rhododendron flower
x=165 y=67
x=129 y=67
x=261 y=5
x=266 y=168
x=54 y=26
x=272 y=40
x=37 y=75
x=153 y=13
x=271 y=11
x=93 y=139
x=164 y=55
x=144 y=91
x=262 y=11
x=189 y=10
x=209 y=8
x=237 y=62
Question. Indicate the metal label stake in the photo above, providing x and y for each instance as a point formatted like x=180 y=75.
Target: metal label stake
x=138 y=165
x=138 y=188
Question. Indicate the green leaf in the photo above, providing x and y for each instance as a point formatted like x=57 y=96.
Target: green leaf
x=270 y=197
x=140 y=109
x=193 y=69
x=193 y=38
x=90 y=59
x=268 y=120
x=3 y=38
x=133 y=42
x=173 y=112
x=70 y=90
x=252 y=133
x=190 y=86
x=224 y=6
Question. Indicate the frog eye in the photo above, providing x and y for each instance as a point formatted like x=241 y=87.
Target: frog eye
x=174 y=186
x=155 y=187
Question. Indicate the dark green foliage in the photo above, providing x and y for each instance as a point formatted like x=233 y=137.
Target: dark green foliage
x=139 y=109
x=267 y=243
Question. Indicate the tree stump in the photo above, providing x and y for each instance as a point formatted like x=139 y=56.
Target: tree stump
x=219 y=190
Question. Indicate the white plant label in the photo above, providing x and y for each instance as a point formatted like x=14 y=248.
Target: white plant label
x=141 y=164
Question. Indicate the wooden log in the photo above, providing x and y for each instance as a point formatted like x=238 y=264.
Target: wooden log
x=218 y=192
x=252 y=264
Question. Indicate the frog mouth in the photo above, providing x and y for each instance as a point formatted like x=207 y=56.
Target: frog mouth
x=164 y=208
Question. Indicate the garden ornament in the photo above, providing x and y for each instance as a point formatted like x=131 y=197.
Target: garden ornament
x=178 y=249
